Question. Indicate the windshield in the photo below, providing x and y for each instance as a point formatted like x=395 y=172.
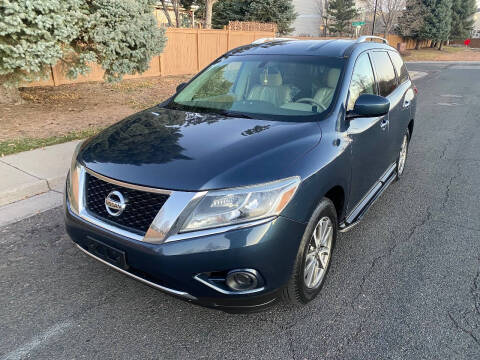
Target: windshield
x=273 y=86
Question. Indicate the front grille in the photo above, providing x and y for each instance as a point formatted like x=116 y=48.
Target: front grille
x=141 y=206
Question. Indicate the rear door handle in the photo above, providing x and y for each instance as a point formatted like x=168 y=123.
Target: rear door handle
x=384 y=124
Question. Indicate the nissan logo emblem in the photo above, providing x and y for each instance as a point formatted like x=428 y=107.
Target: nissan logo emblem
x=115 y=203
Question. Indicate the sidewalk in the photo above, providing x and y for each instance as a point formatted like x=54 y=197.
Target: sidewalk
x=34 y=172
x=414 y=75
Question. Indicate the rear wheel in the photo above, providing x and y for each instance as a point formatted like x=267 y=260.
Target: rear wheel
x=314 y=255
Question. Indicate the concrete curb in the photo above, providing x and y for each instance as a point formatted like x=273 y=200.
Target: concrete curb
x=415 y=75
x=22 y=191
x=34 y=172
x=34 y=205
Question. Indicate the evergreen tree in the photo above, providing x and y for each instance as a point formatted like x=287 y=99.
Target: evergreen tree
x=120 y=35
x=225 y=11
x=410 y=23
x=342 y=13
x=462 y=18
x=280 y=12
x=437 y=20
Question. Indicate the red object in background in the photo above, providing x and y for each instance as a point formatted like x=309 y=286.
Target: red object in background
x=467 y=42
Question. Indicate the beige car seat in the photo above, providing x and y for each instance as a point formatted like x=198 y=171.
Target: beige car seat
x=271 y=89
x=324 y=95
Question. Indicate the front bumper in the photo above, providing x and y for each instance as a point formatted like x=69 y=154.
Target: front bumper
x=269 y=248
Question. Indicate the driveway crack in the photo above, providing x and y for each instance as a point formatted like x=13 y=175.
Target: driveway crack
x=388 y=254
x=471 y=318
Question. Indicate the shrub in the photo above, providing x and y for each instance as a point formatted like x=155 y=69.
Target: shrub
x=120 y=35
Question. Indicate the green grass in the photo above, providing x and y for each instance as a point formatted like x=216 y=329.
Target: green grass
x=18 y=145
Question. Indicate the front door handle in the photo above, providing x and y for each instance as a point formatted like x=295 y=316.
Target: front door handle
x=384 y=124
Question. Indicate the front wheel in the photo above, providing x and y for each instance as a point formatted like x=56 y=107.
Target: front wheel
x=402 y=156
x=313 y=258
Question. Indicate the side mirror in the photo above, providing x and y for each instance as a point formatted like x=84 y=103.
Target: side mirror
x=181 y=86
x=368 y=105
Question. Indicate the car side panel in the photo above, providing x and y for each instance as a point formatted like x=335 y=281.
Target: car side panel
x=324 y=167
x=398 y=120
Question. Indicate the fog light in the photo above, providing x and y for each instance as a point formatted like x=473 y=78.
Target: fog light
x=241 y=280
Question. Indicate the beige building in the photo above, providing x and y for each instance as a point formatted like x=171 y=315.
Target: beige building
x=476 y=24
x=309 y=17
x=186 y=17
x=309 y=21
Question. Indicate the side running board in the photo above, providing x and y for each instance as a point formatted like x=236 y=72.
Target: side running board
x=361 y=209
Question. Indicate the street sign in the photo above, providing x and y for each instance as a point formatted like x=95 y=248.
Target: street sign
x=358 y=23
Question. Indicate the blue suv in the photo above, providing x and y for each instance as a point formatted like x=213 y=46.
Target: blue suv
x=231 y=193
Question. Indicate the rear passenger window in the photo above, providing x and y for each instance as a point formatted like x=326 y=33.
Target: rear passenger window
x=363 y=81
x=384 y=71
x=399 y=67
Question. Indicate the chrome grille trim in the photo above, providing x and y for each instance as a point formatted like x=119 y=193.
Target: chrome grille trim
x=128 y=185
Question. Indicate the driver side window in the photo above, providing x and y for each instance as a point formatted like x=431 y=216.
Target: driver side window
x=363 y=81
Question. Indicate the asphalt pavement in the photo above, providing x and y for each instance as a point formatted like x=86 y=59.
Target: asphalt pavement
x=404 y=283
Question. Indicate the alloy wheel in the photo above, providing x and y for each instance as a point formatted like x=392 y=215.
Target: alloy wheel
x=318 y=253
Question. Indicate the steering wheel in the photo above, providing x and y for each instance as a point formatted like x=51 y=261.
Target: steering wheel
x=311 y=101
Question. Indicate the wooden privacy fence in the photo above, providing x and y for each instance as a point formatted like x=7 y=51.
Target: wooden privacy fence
x=474 y=43
x=393 y=40
x=251 y=26
x=187 y=52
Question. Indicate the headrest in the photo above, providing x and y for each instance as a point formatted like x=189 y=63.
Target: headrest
x=270 y=78
x=332 y=77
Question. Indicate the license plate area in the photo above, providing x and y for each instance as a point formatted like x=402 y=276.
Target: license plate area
x=106 y=252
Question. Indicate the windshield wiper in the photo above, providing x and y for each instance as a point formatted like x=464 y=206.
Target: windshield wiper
x=235 y=114
x=199 y=109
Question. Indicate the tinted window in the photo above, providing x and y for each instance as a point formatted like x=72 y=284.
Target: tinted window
x=362 y=82
x=384 y=71
x=264 y=86
x=399 y=67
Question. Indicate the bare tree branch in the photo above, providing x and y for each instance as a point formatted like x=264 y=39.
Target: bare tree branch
x=388 y=11
x=167 y=14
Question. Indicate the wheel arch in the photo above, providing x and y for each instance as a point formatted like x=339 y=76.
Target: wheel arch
x=337 y=195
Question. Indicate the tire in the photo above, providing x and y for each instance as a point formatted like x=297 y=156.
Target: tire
x=297 y=290
x=402 y=162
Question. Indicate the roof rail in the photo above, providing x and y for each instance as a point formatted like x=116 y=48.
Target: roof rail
x=366 y=37
x=264 y=40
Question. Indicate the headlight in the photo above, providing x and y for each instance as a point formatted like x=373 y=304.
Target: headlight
x=238 y=205
x=73 y=182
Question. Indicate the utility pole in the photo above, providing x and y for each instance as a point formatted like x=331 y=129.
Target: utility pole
x=374 y=15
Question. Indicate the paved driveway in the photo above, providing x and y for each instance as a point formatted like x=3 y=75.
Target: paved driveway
x=404 y=284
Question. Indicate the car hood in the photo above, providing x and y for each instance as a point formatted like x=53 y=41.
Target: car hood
x=180 y=150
